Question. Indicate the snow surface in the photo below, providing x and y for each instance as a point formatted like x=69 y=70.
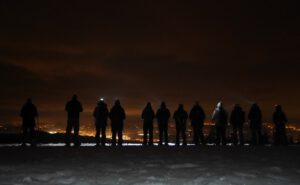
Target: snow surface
x=150 y=165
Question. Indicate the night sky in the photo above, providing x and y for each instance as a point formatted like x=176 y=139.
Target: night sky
x=139 y=51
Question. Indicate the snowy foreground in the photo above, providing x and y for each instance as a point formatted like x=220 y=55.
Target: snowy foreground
x=150 y=165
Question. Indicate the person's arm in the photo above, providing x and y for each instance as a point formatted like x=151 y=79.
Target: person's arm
x=22 y=112
x=284 y=117
x=175 y=115
x=67 y=107
x=231 y=117
x=124 y=114
x=152 y=114
x=143 y=114
x=274 y=118
x=80 y=108
x=36 y=114
x=95 y=112
x=213 y=118
x=106 y=113
x=203 y=113
x=186 y=116
x=191 y=114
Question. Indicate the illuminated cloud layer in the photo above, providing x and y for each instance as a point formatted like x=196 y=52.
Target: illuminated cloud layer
x=148 y=51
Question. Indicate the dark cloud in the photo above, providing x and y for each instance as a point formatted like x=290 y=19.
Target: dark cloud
x=149 y=50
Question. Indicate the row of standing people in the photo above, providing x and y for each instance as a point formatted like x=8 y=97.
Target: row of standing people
x=220 y=119
x=197 y=117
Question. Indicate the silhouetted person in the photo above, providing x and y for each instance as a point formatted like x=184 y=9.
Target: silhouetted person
x=180 y=116
x=101 y=115
x=279 y=120
x=29 y=114
x=220 y=119
x=255 y=122
x=163 y=116
x=148 y=116
x=73 y=108
x=237 y=120
x=197 y=117
x=117 y=117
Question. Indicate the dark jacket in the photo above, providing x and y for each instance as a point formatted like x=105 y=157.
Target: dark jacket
x=29 y=113
x=279 y=119
x=117 y=115
x=148 y=115
x=220 y=117
x=197 y=115
x=237 y=117
x=73 y=108
x=101 y=114
x=255 y=117
x=163 y=115
x=180 y=117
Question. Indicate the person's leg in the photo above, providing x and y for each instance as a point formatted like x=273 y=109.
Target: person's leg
x=160 y=133
x=253 y=135
x=114 y=135
x=234 y=134
x=120 y=135
x=241 y=135
x=151 y=135
x=196 y=134
x=32 y=136
x=283 y=135
x=259 y=135
x=103 y=135
x=24 y=136
x=202 y=136
x=68 y=132
x=145 y=131
x=166 y=134
x=183 y=135
x=76 y=133
x=218 y=133
x=224 y=140
x=97 y=136
x=177 y=135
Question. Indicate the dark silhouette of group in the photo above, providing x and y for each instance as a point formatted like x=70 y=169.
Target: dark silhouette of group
x=196 y=116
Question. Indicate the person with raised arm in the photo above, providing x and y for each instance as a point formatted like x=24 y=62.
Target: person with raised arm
x=220 y=119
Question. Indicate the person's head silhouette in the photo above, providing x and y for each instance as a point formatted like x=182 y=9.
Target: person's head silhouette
x=148 y=105
x=278 y=108
x=163 y=105
x=29 y=101
x=220 y=105
x=117 y=103
x=237 y=106
x=180 y=107
x=74 y=97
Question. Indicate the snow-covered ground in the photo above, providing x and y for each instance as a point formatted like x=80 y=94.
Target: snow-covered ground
x=150 y=165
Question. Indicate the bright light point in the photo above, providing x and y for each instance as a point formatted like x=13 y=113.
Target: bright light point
x=101 y=99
